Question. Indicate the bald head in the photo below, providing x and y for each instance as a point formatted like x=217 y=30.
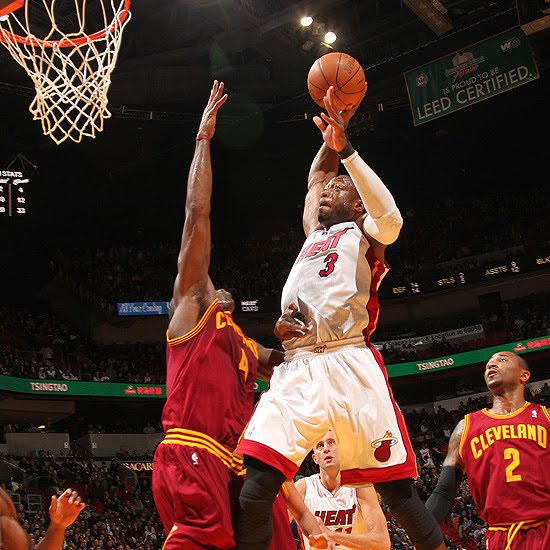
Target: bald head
x=225 y=299
x=7 y=508
x=12 y=535
x=506 y=370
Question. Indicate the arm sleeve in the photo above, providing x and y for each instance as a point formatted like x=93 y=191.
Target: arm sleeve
x=384 y=221
x=442 y=496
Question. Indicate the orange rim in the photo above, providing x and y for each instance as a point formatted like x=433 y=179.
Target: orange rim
x=67 y=42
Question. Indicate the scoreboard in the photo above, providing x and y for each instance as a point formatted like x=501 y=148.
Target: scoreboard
x=14 y=193
x=511 y=267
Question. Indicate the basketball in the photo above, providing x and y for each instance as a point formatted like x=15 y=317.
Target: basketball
x=342 y=71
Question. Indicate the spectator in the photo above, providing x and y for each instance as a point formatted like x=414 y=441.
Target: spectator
x=148 y=429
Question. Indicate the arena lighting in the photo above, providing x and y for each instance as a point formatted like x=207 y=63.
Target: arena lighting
x=306 y=21
x=330 y=37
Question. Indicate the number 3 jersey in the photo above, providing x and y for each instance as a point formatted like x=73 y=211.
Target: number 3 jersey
x=335 y=281
x=506 y=460
x=339 y=510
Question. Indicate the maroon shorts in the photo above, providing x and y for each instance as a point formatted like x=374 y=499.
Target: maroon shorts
x=525 y=539
x=196 y=496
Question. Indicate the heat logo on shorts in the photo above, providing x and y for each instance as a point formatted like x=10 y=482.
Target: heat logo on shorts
x=382 y=446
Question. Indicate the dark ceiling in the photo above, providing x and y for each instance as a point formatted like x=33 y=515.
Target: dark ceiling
x=173 y=49
x=132 y=175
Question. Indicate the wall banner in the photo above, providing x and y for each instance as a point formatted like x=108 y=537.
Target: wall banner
x=465 y=77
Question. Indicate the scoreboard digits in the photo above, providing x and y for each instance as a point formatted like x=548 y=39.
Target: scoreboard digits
x=14 y=193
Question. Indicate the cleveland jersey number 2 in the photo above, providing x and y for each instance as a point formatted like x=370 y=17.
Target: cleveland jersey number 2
x=513 y=455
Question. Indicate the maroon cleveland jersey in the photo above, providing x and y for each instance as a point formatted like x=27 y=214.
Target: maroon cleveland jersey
x=210 y=383
x=506 y=459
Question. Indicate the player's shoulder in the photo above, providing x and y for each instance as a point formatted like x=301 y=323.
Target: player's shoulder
x=542 y=408
x=460 y=430
x=301 y=486
x=190 y=317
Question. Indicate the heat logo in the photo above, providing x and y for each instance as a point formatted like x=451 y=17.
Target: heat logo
x=382 y=446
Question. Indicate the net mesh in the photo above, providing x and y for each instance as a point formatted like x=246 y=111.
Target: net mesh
x=71 y=70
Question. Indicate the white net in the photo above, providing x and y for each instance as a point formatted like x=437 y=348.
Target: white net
x=70 y=68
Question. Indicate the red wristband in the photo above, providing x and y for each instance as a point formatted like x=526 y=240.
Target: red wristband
x=202 y=136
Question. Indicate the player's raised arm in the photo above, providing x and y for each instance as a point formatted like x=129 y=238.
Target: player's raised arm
x=323 y=168
x=439 y=502
x=63 y=513
x=192 y=281
x=384 y=221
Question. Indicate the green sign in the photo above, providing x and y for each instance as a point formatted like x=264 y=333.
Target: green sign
x=96 y=389
x=260 y=386
x=70 y=388
x=465 y=77
x=466 y=358
x=158 y=391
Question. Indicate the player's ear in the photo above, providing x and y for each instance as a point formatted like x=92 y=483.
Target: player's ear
x=359 y=207
x=524 y=376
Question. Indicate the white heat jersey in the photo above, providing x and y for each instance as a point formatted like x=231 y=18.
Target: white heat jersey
x=339 y=511
x=335 y=281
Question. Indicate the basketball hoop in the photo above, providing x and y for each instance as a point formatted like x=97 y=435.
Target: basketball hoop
x=70 y=68
x=7 y=6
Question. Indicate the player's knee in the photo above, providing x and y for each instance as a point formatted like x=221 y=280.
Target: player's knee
x=405 y=504
x=392 y=492
x=264 y=476
x=253 y=492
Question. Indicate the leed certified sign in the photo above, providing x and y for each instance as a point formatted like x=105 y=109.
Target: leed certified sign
x=471 y=75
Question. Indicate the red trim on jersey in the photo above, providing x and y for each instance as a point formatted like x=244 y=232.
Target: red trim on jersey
x=378 y=269
x=464 y=435
x=410 y=463
x=487 y=412
x=376 y=475
x=267 y=455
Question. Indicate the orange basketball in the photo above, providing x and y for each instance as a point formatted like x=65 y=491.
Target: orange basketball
x=342 y=71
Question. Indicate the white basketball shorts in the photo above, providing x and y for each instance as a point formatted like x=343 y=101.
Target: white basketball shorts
x=344 y=389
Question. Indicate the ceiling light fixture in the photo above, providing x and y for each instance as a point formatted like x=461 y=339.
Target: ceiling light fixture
x=330 y=38
x=306 y=21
